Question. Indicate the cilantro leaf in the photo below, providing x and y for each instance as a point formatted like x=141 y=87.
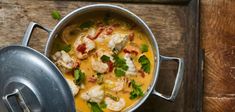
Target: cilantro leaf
x=56 y=15
x=119 y=72
x=95 y=107
x=136 y=90
x=79 y=76
x=145 y=63
x=144 y=48
x=86 y=24
x=105 y=58
x=67 y=48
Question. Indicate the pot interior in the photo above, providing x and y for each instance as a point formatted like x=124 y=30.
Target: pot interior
x=89 y=11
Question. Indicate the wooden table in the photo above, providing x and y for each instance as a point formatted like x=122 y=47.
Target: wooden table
x=218 y=40
x=217 y=32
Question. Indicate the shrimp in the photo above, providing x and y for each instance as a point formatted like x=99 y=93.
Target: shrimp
x=117 y=42
x=114 y=86
x=74 y=88
x=83 y=46
x=94 y=94
x=115 y=105
x=99 y=66
x=63 y=60
x=131 y=67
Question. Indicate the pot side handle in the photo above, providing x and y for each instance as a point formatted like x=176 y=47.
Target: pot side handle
x=178 y=80
x=29 y=31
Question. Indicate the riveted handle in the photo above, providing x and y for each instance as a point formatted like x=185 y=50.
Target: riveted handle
x=16 y=93
x=178 y=80
x=29 y=31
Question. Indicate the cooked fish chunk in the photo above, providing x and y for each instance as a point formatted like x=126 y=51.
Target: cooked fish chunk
x=99 y=66
x=63 y=60
x=83 y=46
x=114 y=85
x=73 y=87
x=115 y=105
x=117 y=41
x=94 y=94
x=131 y=67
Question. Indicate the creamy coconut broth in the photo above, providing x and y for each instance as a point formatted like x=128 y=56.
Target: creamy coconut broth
x=107 y=61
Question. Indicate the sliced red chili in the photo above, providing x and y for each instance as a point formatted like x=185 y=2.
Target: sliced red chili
x=111 y=66
x=141 y=73
x=81 y=48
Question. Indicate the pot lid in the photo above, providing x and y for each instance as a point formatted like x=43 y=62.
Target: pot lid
x=31 y=82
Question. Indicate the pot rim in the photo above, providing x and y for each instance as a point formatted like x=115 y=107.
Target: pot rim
x=134 y=16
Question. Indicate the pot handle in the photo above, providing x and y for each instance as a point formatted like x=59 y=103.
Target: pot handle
x=178 y=80
x=29 y=31
x=20 y=100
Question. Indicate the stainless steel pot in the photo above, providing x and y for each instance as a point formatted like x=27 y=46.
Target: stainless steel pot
x=128 y=14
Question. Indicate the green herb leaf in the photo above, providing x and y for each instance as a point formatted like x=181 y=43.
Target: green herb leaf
x=86 y=24
x=56 y=15
x=100 y=78
x=145 y=63
x=105 y=58
x=67 y=48
x=144 y=48
x=115 y=98
x=136 y=90
x=79 y=76
x=119 y=72
x=103 y=105
x=95 y=107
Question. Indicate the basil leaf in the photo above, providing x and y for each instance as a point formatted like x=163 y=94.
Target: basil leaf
x=145 y=63
x=144 y=48
x=79 y=76
x=105 y=58
x=56 y=15
x=95 y=107
x=86 y=24
x=67 y=48
x=136 y=90
x=119 y=72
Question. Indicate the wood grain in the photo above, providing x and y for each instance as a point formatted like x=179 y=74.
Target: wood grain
x=175 y=28
x=218 y=35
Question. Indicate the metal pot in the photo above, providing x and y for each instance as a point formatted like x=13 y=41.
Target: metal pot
x=128 y=14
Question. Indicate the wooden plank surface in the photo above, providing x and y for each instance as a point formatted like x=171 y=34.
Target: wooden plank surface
x=173 y=25
x=218 y=36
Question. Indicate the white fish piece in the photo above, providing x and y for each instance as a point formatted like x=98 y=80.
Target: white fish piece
x=117 y=41
x=115 y=105
x=99 y=66
x=63 y=60
x=114 y=85
x=73 y=87
x=131 y=67
x=94 y=94
x=90 y=45
x=100 y=52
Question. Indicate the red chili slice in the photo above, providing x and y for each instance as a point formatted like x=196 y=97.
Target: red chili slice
x=100 y=30
x=111 y=66
x=81 y=48
x=130 y=51
x=141 y=73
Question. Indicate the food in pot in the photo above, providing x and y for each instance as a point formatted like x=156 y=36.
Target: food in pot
x=107 y=61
